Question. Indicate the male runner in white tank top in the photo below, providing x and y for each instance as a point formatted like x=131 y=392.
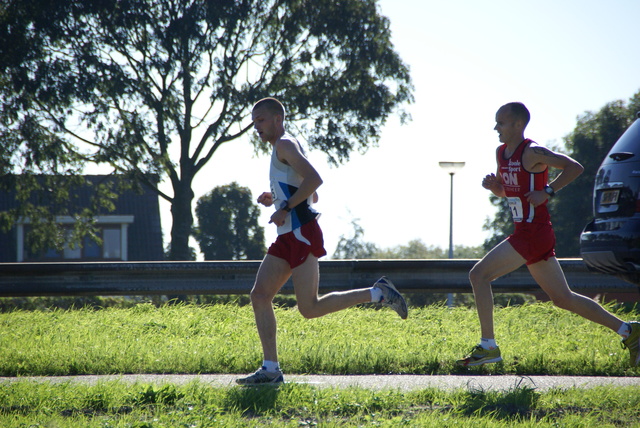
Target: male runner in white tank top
x=299 y=244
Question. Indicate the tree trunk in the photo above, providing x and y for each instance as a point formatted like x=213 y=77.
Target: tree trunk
x=182 y=222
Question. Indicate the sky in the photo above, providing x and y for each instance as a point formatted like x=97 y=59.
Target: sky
x=561 y=58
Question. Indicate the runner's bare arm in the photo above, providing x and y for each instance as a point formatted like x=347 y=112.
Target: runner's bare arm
x=266 y=199
x=289 y=152
x=538 y=158
x=492 y=182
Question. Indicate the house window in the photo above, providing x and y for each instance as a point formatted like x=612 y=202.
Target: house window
x=111 y=243
x=92 y=250
x=71 y=253
x=113 y=231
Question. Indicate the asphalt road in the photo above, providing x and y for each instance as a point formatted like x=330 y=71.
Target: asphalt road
x=376 y=382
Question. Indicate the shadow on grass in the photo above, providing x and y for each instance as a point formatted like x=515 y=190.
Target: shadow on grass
x=252 y=401
x=518 y=402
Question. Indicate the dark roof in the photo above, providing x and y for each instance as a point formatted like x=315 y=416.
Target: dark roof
x=145 y=233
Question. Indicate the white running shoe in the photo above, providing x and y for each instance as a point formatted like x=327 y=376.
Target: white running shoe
x=391 y=297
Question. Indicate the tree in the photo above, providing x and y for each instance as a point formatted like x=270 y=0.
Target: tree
x=149 y=87
x=36 y=166
x=354 y=247
x=588 y=143
x=501 y=224
x=228 y=227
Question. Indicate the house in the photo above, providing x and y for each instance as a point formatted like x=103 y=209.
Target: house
x=130 y=232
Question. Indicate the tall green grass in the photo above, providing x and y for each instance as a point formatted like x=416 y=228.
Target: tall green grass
x=534 y=339
x=116 y=404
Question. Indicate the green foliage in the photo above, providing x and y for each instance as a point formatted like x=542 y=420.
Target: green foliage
x=121 y=83
x=589 y=143
x=228 y=227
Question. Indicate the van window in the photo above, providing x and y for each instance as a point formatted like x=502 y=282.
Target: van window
x=629 y=141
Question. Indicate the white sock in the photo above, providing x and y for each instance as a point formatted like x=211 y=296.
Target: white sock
x=624 y=330
x=271 y=366
x=488 y=344
x=376 y=294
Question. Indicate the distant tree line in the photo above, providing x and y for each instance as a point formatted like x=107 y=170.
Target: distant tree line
x=355 y=246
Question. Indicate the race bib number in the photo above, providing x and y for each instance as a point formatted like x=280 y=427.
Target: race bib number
x=515 y=205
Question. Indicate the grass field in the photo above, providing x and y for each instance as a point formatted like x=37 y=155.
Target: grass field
x=113 y=404
x=535 y=339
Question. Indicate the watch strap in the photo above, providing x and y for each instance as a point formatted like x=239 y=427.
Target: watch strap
x=285 y=206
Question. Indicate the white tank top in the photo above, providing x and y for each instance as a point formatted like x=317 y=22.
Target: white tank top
x=284 y=183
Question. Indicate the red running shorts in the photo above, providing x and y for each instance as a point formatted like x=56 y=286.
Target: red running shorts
x=292 y=247
x=533 y=241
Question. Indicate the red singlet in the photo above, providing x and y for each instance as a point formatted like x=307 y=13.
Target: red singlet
x=533 y=237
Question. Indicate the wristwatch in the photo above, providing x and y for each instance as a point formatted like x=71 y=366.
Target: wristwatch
x=284 y=205
x=549 y=190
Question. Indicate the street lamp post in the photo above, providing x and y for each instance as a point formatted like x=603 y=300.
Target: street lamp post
x=451 y=168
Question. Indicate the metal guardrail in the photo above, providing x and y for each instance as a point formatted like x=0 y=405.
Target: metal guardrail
x=237 y=277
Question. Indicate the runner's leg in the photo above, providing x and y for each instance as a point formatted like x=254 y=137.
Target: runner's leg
x=548 y=274
x=272 y=275
x=501 y=260
x=306 y=278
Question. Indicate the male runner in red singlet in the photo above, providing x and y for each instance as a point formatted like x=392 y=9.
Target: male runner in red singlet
x=299 y=244
x=522 y=178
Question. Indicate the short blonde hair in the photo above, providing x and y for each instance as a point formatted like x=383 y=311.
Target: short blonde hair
x=271 y=104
